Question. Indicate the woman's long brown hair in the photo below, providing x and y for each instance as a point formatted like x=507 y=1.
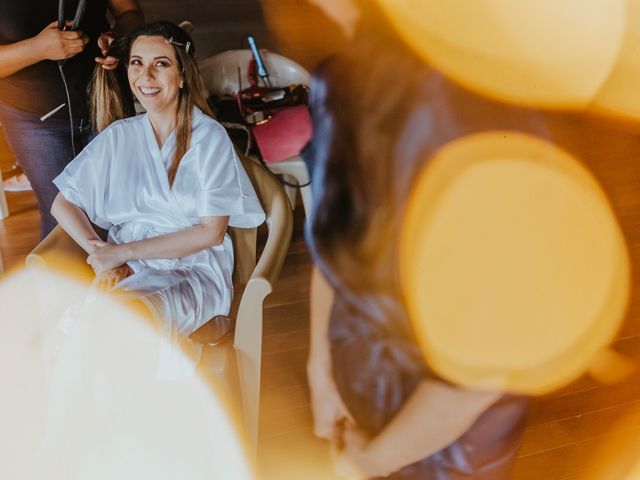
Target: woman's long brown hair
x=111 y=98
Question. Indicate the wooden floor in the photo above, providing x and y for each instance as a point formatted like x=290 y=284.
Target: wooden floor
x=565 y=430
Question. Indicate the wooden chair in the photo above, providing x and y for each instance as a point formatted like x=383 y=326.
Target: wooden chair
x=253 y=281
x=4 y=207
x=226 y=73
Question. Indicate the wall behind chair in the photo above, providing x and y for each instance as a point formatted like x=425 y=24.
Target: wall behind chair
x=292 y=28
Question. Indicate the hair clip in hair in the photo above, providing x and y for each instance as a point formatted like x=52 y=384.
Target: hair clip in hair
x=186 y=46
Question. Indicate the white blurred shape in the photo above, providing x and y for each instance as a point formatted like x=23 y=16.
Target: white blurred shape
x=89 y=405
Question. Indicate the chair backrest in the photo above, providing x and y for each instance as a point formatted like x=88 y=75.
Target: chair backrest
x=279 y=222
x=224 y=72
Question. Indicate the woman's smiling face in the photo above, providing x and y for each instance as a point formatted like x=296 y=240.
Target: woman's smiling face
x=154 y=74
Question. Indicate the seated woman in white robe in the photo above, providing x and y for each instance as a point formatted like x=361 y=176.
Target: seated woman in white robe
x=164 y=184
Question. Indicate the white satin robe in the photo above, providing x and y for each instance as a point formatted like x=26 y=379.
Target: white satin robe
x=120 y=181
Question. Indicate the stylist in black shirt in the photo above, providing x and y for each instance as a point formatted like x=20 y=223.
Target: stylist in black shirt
x=31 y=86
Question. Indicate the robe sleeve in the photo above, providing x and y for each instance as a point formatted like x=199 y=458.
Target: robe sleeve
x=84 y=181
x=225 y=188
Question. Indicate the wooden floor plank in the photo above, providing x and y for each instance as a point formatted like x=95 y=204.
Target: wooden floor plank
x=556 y=409
x=285 y=398
x=291 y=356
x=573 y=460
x=579 y=428
x=286 y=317
x=295 y=455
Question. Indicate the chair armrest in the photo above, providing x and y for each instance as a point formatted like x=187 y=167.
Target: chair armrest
x=277 y=244
x=58 y=249
x=248 y=333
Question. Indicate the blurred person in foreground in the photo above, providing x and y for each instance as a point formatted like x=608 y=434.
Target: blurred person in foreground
x=379 y=114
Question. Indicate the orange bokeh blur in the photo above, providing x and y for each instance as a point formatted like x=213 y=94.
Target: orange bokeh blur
x=543 y=54
x=514 y=269
x=619 y=95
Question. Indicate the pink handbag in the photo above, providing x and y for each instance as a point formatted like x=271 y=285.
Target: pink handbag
x=283 y=134
x=278 y=118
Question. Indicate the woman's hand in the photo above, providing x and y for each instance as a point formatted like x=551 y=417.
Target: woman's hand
x=448 y=410
x=109 y=279
x=104 y=256
x=107 y=62
x=355 y=461
x=330 y=415
x=55 y=44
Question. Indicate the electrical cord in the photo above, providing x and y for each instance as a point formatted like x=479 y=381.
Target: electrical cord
x=289 y=184
x=295 y=185
x=74 y=26
x=66 y=91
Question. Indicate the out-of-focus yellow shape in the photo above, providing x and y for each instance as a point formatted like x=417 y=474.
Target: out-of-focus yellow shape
x=614 y=454
x=609 y=366
x=88 y=404
x=634 y=474
x=619 y=95
x=542 y=53
x=514 y=269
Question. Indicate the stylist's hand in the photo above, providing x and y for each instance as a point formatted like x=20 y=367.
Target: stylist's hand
x=330 y=415
x=110 y=278
x=107 y=62
x=104 y=256
x=54 y=44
